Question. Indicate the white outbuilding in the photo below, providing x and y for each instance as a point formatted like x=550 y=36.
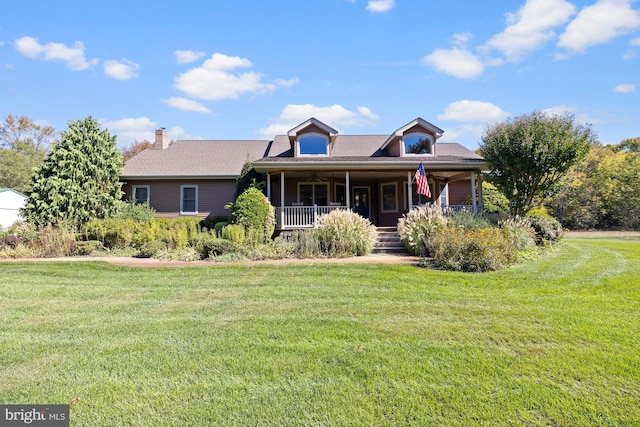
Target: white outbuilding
x=11 y=201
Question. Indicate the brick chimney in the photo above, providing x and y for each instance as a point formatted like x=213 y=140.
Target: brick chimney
x=162 y=141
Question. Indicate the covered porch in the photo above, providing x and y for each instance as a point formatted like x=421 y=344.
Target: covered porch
x=300 y=197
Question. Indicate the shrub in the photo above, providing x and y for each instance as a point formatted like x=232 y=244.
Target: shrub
x=520 y=231
x=210 y=222
x=88 y=247
x=469 y=220
x=218 y=228
x=548 y=229
x=253 y=210
x=345 y=233
x=301 y=243
x=210 y=246
x=416 y=226
x=139 y=213
x=56 y=241
x=480 y=249
x=152 y=248
x=494 y=200
x=234 y=233
x=112 y=232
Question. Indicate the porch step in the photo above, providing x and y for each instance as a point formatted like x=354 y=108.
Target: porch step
x=388 y=242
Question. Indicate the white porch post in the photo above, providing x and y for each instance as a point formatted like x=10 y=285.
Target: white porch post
x=409 y=195
x=269 y=187
x=347 y=190
x=474 y=203
x=282 y=224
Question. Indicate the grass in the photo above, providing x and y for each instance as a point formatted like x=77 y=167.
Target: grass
x=555 y=341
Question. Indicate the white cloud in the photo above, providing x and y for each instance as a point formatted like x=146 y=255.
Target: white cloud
x=457 y=62
x=635 y=42
x=380 y=6
x=530 y=27
x=625 y=88
x=121 y=70
x=580 y=117
x=599 y=23
x=186 y=104
x=473 y=111
x=72 y=56
x=131 y=129
x=215 y=80
x=186 y=56
x=335 y=116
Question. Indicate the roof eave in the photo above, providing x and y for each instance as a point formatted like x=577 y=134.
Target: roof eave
x=365 y=165
x=176 y=177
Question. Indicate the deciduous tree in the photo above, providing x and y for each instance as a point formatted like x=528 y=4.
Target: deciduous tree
x=23 y=144
x=79 y=179
x=530 y=153
x=135 y=148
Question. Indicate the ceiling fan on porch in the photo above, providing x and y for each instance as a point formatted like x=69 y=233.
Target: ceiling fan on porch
x=316 y=178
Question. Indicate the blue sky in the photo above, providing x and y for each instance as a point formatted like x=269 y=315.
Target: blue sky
x=247 y=69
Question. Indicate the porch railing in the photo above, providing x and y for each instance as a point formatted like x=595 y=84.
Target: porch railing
x=301 y=216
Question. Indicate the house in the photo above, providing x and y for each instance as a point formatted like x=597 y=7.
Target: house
x=309 y=171
x=11 y=201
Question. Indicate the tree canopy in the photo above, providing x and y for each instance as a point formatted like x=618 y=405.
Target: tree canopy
x=79 y=179
x=529 y=154
x=135 y=148
x=23 y=144
x=601 y=191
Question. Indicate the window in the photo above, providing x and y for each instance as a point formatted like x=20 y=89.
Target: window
x=416 y=199
x=189 y=199
x=140 y=194
x=417 y=143
x=389 y=197
x=313 y=194
x=313 y=144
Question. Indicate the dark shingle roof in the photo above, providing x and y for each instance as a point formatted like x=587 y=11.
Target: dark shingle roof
x=196 y=158
x=368 y=146
x=223 y=159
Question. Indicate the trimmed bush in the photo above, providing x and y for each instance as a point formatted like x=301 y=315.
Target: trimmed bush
x=479 y=249
x=548 y=229
x=343 y=233
x=252 y=210
x=210 y=246
x=210 y=222
x=234 y=233
x=152 y=248
x=416 y=226
x=88 y=247
x=218 y=227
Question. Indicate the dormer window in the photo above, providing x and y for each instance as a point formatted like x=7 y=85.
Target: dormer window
x=313 y=144
x=417 y=144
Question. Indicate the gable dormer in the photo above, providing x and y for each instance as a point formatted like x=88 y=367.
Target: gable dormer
x=312 y=138
x=416 y=138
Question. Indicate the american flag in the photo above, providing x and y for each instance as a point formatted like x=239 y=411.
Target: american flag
x=422 y=184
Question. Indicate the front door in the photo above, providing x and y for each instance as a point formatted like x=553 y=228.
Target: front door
x=361 y=201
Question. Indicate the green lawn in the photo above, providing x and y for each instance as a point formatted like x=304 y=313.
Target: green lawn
x=552 y=342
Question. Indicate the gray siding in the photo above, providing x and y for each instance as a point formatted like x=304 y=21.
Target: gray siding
x=213 y=195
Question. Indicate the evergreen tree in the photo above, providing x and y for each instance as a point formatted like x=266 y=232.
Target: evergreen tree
x=79 y=179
